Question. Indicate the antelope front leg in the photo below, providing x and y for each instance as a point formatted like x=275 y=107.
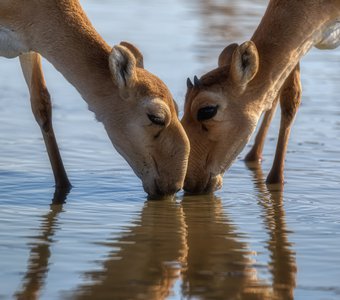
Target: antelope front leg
x=42 y=110
x=290 y=100
x=255 y=153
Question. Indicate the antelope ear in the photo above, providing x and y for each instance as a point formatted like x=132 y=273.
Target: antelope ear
x=137 y=54
x=225 y=57
x=244 y=63
x=123 y=67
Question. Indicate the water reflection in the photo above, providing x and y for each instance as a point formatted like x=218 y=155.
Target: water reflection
x=38 y=264
x=146 y=261
x=219 y=262
x=196 y=243
x=217 y=17
x=282 y=259
x=225 y=22
x=188 y=249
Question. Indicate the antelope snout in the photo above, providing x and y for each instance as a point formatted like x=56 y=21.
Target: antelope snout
x=159 y=189
x=204 y=185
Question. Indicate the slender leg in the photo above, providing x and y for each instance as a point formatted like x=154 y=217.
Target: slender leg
x=39 y=260
x=42 y=110
x=255 y=153
x=290 y=99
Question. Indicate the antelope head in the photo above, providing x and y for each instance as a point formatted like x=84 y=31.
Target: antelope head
x=218 y=118
x=146 y=130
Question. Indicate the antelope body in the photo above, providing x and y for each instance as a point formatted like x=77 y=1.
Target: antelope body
x=135 y=107
x=223 y=107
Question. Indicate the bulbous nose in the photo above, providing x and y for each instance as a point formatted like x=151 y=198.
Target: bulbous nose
x=203 y=185
x=169 y=163
x=193 y=187
x=161 y=189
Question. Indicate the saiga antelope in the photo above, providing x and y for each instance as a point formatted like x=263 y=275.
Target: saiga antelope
x=223 y=107
x=135 y=107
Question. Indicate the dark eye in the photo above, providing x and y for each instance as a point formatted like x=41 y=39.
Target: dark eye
x=206 y=113
x=156 y=120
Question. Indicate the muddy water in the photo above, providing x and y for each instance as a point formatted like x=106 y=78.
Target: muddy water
x=109 y=242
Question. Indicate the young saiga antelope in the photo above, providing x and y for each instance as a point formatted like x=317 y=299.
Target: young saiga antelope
x=135 y=107
x=223 y=107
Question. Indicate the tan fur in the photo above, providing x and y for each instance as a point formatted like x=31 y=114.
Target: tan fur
x=247 y=83
x=137 y=54
x=255 y=153
x=60 y=31
x=290 y=100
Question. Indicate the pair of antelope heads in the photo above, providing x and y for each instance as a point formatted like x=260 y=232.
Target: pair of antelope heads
x=144 y=126
x=217 y=121
x=218 y=116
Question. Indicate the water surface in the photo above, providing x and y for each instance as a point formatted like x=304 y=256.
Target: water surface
x=109 y=242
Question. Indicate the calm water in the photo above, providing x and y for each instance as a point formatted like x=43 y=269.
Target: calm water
x=109 y=242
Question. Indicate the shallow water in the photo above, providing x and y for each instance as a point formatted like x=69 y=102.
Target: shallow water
x=109 y=242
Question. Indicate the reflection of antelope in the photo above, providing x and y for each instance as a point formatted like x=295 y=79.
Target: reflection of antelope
x=282 y=265
x=40 y=252
x=136 y=108
x=151 y=256
x=172 y=242
x=194 y=242
x=224 y=106
x=218 y=263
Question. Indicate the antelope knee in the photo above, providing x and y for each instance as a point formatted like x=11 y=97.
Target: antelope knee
x=290 y=101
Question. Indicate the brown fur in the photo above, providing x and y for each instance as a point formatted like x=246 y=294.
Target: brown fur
x=60 y=31
x=247 y=86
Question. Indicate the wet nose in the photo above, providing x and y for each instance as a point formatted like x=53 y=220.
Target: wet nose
x=193 y=187
x=204 y=186
x=161 y=190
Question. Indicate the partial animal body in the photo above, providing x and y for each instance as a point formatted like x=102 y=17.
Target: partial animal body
x=290 y=100
x=223 y=107
x=10 y=43
x=135 y=107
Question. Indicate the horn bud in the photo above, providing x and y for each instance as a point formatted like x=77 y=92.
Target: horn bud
x=197 y=82
x=189 y=84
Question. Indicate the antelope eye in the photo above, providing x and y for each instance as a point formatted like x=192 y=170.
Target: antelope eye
x=156 y=120
x=206 y=113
